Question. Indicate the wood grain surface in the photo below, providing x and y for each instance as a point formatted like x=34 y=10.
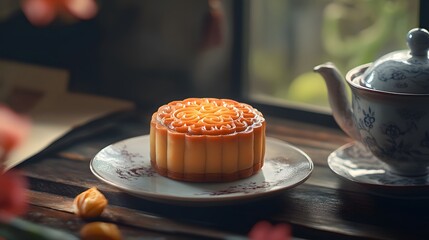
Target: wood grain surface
x=324 y=207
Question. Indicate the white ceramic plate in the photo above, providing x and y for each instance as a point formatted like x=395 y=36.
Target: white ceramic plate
x=126 y=165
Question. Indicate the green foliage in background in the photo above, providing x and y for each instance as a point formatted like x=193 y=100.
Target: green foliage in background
x=352 y=33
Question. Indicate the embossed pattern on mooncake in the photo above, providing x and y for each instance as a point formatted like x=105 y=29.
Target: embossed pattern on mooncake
x=207 y=140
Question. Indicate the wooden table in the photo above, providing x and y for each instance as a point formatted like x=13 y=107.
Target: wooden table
x=324 y=207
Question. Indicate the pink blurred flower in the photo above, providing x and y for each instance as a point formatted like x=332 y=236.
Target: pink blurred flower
x=43 y=12
x=13 y=195
x=264 y=230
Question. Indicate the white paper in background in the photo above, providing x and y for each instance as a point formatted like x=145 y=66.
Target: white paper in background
x=42 y=93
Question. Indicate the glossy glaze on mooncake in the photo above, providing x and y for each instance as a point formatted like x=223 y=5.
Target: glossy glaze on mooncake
x=207 y=140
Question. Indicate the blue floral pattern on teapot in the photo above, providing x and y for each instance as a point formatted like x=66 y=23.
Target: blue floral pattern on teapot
x=393 y=132
x=405 y=71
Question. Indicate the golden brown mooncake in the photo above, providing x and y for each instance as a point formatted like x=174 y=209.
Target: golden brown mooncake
x=207 y=140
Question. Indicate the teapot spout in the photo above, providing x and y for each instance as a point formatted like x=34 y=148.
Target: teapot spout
x=338 y=99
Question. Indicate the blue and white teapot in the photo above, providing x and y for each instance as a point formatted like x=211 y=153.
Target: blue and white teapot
x=389 y=113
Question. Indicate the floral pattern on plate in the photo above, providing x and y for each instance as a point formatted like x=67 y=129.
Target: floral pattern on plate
x=126 y=165
x=355 y=163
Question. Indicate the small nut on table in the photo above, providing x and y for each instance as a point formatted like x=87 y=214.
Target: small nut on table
x=100 y=231
x=89 y=204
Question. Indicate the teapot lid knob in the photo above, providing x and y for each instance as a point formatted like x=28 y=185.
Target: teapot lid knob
x=418 y=41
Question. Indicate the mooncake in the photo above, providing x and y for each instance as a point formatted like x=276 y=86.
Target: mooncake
x=207 y=140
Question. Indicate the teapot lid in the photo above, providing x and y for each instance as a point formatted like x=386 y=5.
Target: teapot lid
x=405 y=71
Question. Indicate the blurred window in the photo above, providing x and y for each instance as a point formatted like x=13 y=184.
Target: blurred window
x=287 y=38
